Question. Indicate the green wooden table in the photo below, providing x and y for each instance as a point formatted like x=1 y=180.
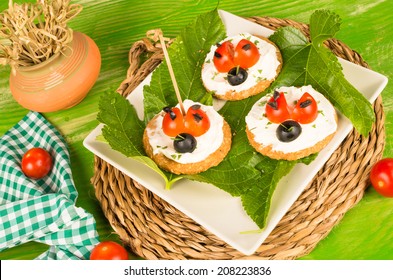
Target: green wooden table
x=366 y=230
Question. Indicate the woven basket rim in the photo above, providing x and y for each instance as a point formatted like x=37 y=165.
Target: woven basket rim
x=154 y=229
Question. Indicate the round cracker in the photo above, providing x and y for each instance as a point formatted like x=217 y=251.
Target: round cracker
x=233 y=95
x=190 y=168
x=268 y=150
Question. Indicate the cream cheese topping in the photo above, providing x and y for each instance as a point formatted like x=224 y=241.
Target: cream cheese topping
x=264 y=69
x=265 y=132
x=207 y=143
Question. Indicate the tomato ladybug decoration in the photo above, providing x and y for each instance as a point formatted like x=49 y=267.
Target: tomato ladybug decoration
x=305 y=111
x=223 y=57
x=277 y=108
x=227 y=56
x=278 y=111
x=172 y=124
x=196 y=121
x=246 y=54
x=185 y=127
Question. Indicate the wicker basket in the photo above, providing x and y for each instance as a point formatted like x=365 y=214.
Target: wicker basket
x=153 y=229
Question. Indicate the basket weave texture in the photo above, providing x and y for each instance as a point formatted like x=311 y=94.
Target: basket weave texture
x=153 y=229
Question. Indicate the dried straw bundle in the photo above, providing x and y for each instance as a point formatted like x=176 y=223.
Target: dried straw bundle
x=30 y=33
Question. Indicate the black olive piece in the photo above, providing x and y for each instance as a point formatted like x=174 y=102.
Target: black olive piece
x=237 y=76
x=273 y=104
x=276 y=95
x=218 y=55
x=246 y=47
x=197 y=117
x=172 y=114
x=184 y=143
x=305 y=103
x=288 y=131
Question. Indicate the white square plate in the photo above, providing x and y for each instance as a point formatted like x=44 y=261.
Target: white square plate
x=213 y=208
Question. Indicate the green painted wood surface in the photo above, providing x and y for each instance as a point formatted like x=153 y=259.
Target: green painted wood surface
x=366 y=230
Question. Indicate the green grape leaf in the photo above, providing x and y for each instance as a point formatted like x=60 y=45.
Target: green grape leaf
x=311 y=63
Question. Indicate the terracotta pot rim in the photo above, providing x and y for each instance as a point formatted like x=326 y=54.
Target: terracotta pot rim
x=50 y=59
x=39 y=65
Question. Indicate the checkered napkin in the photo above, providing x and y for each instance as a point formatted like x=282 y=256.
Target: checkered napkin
x=41 y=210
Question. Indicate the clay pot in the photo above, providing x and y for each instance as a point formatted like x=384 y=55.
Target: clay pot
x=60 y=82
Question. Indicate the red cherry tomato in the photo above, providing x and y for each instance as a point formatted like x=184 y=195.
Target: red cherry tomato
x=109 y=250
x=173 y=122
x=36 y=163
x=306 y=109
x=381 y=177
x=196 y=121
x=246 y=54
x=223 y=57
x=277 y=108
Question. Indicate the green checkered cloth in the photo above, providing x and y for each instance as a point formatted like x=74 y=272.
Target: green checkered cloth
x=41 y=210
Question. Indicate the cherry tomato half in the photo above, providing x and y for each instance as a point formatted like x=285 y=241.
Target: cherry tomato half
x=381 y=177
x=223 y=57
x=306 y=109
x=173 y=122
x=109 y=250
x=36 y=163
x=277 y=108
x=196 y=121
x=246 y=54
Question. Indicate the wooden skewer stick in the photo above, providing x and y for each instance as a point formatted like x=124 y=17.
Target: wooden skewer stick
x=171 y=73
